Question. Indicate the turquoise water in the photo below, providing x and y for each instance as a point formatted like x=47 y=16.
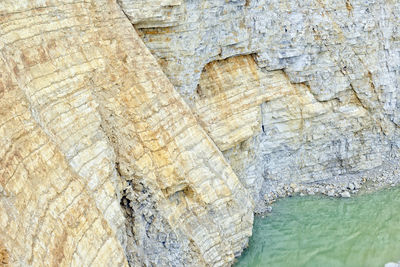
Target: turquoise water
x=320 y=231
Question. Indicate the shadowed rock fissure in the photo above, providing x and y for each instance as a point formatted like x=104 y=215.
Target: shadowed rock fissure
x=150 y=239
x=159 y=146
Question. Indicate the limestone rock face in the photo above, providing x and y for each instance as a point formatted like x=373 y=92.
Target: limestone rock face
x=101 y=162
x=48 y=214
x=330 y=44
x=296 y=137
x=146 y=132
x=337 y=113
x=305 y=140
x=153 y=13
x=229 y=97
x=228 y=100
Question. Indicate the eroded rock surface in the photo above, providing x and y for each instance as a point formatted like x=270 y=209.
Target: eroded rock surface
x=228 y=100
x=297 y=138
x=229 y=96
x=153 y=13
x=338 y=113
x=102 y=162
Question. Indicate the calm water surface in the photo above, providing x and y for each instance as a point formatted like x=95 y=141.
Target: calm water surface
x=320 y=231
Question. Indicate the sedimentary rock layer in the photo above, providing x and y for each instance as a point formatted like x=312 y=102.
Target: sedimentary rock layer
x=153 y=13
x=48 y=214
x=337 y=115
x=228 y=98
x=102 y=162
x=110 y=156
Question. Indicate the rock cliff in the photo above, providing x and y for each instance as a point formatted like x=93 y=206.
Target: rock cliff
x=103 y=163
x=290 y=91
x=146 y=133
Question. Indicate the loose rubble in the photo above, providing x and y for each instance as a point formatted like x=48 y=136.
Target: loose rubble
x=343 y=187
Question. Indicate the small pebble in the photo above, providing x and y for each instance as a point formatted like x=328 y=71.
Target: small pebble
x=351 y=186
x=345 y=194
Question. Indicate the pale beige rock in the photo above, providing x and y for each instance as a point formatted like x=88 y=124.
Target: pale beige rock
x=345 y=55
x=88 y=121
x=229 y=97
x=235 y=100
x=102 y=162
x=153 y=13
x=304 y=139
x=48 y=215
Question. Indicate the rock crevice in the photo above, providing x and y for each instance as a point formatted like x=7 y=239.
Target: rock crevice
x=155 y=146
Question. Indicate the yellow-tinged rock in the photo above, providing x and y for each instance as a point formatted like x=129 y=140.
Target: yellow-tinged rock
x=88 y=119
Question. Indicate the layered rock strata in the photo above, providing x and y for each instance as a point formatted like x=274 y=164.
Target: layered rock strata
x=337 y=114
x=102 y=162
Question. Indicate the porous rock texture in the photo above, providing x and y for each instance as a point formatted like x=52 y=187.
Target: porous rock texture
x=116 y=152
